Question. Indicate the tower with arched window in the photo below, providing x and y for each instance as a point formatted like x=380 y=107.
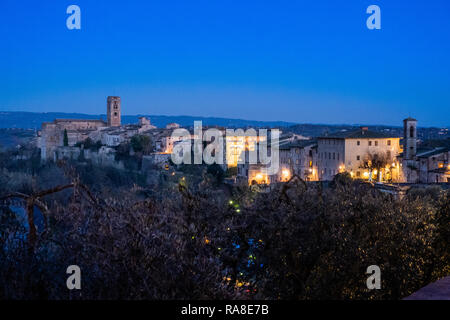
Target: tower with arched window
x=410 y=138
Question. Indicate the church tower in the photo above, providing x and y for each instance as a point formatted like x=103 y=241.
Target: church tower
x=113 y=111
x=410 y=138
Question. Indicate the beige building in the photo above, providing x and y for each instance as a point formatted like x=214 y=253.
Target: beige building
x=298 y=157
x=365 y=154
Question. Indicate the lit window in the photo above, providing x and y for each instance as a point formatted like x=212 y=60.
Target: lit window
x=389 y=142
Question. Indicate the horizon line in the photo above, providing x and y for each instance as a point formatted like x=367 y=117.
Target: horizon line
x=224 y=118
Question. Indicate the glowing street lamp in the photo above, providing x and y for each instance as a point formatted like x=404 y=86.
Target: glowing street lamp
x=286 y=174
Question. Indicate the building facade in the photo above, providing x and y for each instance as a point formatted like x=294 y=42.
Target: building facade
x=424 y=164
x=365 y=154
x=52 y=133
x=298 y=157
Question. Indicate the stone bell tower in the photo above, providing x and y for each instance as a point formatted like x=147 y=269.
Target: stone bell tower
x=113 y=111
x=410 y=138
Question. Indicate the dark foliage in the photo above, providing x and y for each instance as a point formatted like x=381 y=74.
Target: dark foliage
x=298 y=241
x=65 y=139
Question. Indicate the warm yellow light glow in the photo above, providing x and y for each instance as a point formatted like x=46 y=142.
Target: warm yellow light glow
x=366 y=174
x=375 y=172
x=259 y=178
x=351 y=174
x=235 y=145
x=393 y=164
x=286 y=174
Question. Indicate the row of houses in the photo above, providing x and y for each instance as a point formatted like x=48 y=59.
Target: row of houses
x=363 y=153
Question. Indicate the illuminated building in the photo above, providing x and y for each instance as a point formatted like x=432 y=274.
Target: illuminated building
x=352 y=151
x=298 y=157
x=235 y=145
x=423 y=164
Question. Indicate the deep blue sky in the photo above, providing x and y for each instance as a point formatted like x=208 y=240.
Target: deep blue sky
x=300 y=61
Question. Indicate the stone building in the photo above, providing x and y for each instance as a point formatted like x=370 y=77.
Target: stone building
x=172 y=126
x=422 y=164
x=298 y=157
x=52 y=133
x=361 y=153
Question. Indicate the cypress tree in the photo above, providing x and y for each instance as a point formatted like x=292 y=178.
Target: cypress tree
x=66 y=138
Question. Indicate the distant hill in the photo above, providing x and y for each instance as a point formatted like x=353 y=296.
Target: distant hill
x=423 y=133
x=10 y=138
x=33 y=120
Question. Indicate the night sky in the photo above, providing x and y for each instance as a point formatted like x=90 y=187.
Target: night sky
x=298 y=61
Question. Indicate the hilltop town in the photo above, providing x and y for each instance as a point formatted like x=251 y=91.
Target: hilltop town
x=378 y=156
